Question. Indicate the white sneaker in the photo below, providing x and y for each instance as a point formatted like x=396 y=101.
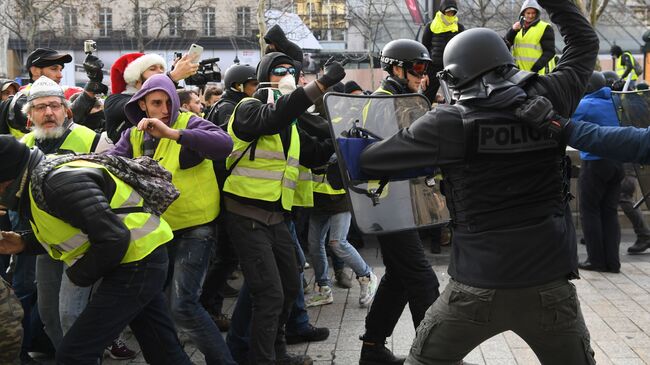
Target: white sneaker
x=321 y=297
x=368 y=288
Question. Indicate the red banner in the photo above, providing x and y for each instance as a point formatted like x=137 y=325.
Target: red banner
x=414 y=9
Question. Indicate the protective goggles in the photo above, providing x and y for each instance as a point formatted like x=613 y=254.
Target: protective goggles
x=418 y=68
x=281 y=71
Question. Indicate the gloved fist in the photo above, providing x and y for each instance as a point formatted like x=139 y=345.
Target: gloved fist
x=537 y=112
x=334 y=72
x=96 y=87
x=93 y=67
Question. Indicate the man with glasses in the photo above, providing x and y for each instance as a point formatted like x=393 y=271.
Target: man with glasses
x=261 y=190
x=409 y=277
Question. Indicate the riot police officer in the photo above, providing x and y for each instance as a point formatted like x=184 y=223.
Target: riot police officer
x=506 y=185
x=409 y=277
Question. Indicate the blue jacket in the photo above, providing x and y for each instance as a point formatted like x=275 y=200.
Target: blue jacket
x=596 y=108
x=625 y=144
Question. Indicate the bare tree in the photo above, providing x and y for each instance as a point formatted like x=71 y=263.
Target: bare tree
x=592 y=9
x=486 y=13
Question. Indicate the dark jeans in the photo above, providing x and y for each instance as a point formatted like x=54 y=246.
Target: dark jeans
x=626 y=202
x=268 y=260
x=189 y=255
x=224 y=262
x=131 y=294
x=547 y=317
x=409 y=278
x=600 y=185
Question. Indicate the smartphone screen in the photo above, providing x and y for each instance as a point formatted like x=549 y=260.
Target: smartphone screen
x=195 y=51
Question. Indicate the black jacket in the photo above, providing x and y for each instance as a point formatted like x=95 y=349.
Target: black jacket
x=437 y=139
x=81 y=198
x=547 y=42
x=222 y=110
x=436 y=43
x=116 y=121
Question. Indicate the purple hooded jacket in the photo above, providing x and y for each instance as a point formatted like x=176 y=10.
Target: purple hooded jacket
x=201 y=139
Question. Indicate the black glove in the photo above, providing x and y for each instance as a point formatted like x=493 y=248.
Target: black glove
x=537 y=112
x=334 y=175
x=96 y=87
x=334 y=72
x=618 y=85
x=93 y=67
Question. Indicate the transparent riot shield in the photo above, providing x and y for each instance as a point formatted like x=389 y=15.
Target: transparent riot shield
x=410 y=200
x=633 y=109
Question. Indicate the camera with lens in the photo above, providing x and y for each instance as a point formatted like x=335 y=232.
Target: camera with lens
x=208 y=71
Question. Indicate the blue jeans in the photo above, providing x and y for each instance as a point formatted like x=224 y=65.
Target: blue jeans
x=298 y=318
x=72 y=301
x=130 y=294
x=338 y=226
x=189 y=257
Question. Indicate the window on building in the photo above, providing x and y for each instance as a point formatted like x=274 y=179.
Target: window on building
x=175 y=21
x=244 y=21
x=209 y=22
x=69 y=20
x=143 y=17
x=105 y=22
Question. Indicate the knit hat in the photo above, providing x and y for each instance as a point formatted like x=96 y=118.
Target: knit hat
x=129 y=68
x=351 y=86
x=44 y=86
x=14 y=156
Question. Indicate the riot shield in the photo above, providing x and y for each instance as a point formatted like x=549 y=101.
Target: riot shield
x=411 y=200
x=633 y=109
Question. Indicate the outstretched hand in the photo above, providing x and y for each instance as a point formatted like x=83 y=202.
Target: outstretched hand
x=11 y=243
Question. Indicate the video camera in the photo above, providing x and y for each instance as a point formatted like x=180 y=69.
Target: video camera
x=208 y=71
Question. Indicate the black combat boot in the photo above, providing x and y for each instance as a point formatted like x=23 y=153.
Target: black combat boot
x=375 y=353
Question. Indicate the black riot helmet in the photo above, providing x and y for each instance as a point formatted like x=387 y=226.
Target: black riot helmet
x=596 y=82
x=610 y=77
x=471 y=54
x=411 y=55
x=239 y=74
x=615 y=51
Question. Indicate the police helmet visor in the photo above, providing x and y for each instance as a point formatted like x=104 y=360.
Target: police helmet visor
x=281 y=71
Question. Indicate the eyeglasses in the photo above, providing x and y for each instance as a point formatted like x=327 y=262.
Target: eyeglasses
x=281 y=71
x=55 y=106
x=418 y=68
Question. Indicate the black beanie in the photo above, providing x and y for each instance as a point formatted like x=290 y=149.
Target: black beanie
x=351 y=86
x=13 y=157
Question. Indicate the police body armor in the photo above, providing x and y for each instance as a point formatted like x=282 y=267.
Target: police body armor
x=513 y=180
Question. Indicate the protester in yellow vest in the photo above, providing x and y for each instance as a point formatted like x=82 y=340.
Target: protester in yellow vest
x=624 y=64
x=532 y=40
x=435 y=37
x=185 y=145
x=261 y=190
x=100 y=216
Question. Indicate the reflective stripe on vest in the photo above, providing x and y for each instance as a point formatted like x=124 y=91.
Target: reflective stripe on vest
x=67 y=243
x=304 y=196
x=443 y=23
x=269 y=176
x=79 y=140
x=620 y=67
x=321 y=185
x=199 y=200
x=527 y=48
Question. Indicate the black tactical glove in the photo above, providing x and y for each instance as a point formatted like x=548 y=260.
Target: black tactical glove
x=537 y=112
x=334 y=72
x=96 y=87
x=93 y=67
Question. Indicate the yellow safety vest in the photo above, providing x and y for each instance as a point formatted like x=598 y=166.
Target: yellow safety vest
x=66 y=243
x=620 y=68
x=443 y=23
x=270 y=175
x=321 y=185
x=199 y=200
x=527 y=49
x=79 y=140
x=304 y=195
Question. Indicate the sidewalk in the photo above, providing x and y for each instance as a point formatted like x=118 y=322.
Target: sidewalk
x=615 y=306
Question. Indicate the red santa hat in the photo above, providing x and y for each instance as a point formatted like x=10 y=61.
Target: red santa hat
x=129 y=67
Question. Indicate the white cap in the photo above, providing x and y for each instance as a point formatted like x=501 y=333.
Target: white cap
x=44 y=87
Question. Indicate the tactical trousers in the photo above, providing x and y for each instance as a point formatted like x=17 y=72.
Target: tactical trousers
x=408 y=279
x=547 y=317
x=267 y=256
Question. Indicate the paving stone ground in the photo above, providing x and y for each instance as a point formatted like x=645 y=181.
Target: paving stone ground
x=615 y=307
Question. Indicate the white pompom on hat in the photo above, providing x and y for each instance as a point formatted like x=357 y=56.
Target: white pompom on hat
x=137 y=67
